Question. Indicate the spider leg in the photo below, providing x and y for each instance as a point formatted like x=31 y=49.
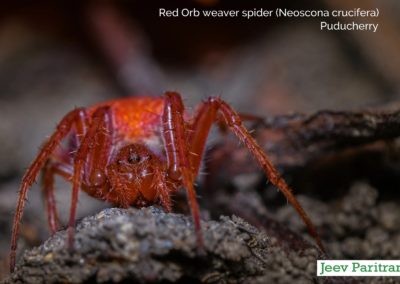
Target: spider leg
x=63 y=128
x=91 y=160
x=49 y=171
x=100 y=139
x=245 y=117
x=177 y=150
x=207 y=114
x=164 y=191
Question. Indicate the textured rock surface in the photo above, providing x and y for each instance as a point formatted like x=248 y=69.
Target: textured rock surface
x=360 y=226
x=148 y=245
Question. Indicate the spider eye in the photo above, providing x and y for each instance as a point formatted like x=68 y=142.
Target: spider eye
x=134 y=158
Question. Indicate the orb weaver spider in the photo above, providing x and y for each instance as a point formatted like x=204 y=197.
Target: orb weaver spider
x=135 y=152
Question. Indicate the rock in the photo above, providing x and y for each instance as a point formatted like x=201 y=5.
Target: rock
x=148 y=245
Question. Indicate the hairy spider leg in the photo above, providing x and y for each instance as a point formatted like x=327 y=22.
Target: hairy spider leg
x=175 y=135
x=60 y=163
x=49 y=171
x=91 y=160
x=206 y=115
x=245 y=117
x=204 y=118
x=100 y=142
x=74 y=117
x=164 y=192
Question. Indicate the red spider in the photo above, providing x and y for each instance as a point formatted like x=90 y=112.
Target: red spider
x=136 y=151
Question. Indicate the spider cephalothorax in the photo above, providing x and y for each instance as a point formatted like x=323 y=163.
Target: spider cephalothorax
x=136 y=177
x=136 y=151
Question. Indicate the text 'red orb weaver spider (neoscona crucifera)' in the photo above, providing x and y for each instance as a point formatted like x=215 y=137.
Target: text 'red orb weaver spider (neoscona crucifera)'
x=135 y=152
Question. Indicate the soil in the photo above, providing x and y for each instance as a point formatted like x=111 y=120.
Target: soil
x=147 y=245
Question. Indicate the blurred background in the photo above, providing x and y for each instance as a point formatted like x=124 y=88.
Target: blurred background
x=56 y=55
